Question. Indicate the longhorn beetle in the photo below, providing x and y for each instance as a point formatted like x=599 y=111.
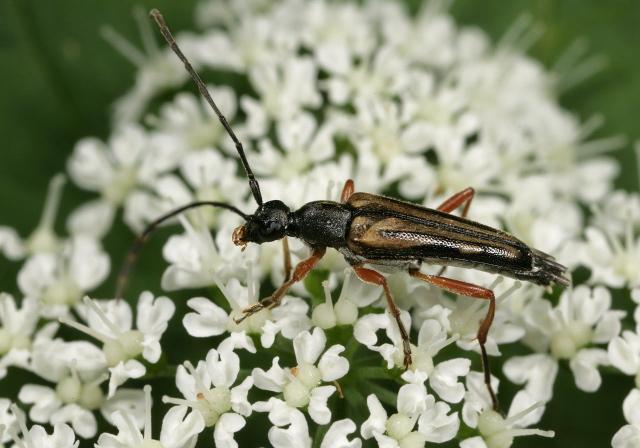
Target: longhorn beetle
x=379 y=231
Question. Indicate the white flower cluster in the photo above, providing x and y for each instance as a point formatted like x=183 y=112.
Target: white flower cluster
x=320 y=92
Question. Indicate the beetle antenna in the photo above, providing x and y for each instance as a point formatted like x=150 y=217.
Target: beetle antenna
x=253 y=183
x=123 y=277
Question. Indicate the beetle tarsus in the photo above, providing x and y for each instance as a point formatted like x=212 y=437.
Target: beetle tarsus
x=249 y=311
x=495 y=405
x=301 y=270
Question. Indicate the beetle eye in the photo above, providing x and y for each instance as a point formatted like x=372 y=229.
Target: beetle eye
x=272 y=226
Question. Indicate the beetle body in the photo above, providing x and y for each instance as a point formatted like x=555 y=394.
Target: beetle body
x=395 y=235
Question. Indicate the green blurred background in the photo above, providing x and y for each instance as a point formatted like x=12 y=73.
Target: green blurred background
x=58 y=78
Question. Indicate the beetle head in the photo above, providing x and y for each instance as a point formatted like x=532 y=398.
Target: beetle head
x=269 y=223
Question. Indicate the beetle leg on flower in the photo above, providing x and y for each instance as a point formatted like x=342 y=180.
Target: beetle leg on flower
x=375 y=278
x=478 y=292
x=301 y=270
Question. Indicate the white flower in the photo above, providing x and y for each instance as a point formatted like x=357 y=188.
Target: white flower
x=93 y=218
x=18 y=325
x=624 y=354
x=60 y=279
x=297 y=434
x=537 y=371
x=208 y=391
x=533 y=217
x=111 y=323
x=414 y=405
x=613 y=260
x=366 y=327
x=11 y=245
x=285 y=86
x=225 y=429
x=208 y=320
x=618 y=209
x=300 y=385
x=443 y=377
x=157 y=70
x=53 y=359
x=190 y=118
x=336 y=436
x=8 y=421
x=379 y=127
x=197 y=261
x=205 y=179
x=73 y=402
x=62 y=436
x=206 y=173
x=497 y=431
x=109 y=168
x=290 y=318
x=303 y=144
x=77 y=368
x=248 y=39
x=177 y=430
x=43 y=239
x=582 y=317
x=133 y=158
x=629 y=435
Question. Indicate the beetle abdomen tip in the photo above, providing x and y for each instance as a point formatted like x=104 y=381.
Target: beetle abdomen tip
x=546 y=270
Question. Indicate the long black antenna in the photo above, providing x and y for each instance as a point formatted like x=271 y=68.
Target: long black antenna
x=253 y=183
x=123 y=277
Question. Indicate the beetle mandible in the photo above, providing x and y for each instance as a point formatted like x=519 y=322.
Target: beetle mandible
x=379 y=231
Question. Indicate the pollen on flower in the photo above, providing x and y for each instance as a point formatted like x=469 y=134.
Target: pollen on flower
x=212 y=403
